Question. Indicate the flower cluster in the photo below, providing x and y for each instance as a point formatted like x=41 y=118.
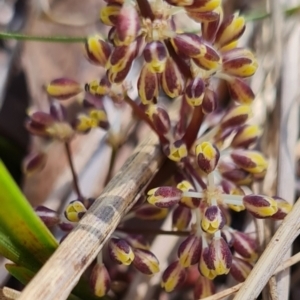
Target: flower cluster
x=212 y=147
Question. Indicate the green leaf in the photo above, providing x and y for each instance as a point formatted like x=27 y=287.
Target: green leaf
x=21 y=230
x=22 y=274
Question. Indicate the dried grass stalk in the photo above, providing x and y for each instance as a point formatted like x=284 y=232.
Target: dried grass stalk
x=60 y=274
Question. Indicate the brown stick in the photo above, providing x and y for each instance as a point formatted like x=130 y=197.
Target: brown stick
x=60 y=274
x=272 y=256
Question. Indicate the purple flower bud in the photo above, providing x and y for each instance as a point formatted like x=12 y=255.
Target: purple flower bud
x=120 y=251
x=203 y=288
x=260 y=206
x=209 y=103
x=213 y=219
x=284 y=208
x=63 y=88
x=145 y=261
x=240 y=269
x=150 y=212
x=48 y=216
x=189 y=251
x=173 y=276
x=181 y=218
x=244 y=245
x=207 y=156
x=164 y=196
x=100 y=280
x=34 y=162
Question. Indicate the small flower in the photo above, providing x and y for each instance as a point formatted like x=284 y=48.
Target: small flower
x=39 y=122
x=176 y=151
x=173 y=276
x=284 y=208
x=205 y=266
x=75 y=211
x=240 y=269
x=128 y=24
x=181 y=218
x=145 y=261
x=260 y=206
x=120 y=251
x=240 y=91
x=148 y=86
x=203 y=288
x=48 y=216
x=63 y=88
x=137 y=241
x=100 y=280
x=251 y=161
x=160 y=118
x=164 y=197
x=155 y=54
x=230 y=30
x=189 y=202
x=61 y=131
x=194 y=91
x=171 y=79
x=207 y=156
x=213 y=219
x=236 y=116
x=189 y=251
x=97 y=50
x=109 y=14
x=246 y=136
x=220 y=256
x=34 y=162
x=209 y=102
x=150 y=212
x=244 y=245
x=239 y=62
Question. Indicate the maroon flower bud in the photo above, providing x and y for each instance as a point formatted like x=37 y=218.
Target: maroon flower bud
x=240 y=269
x=155 y=54
x=171 y=79
x=205 y=265
x=230 y=30
x=213 y=219
x=164 y=197
x=128 y=24
x=260 y=206
x=145 y=261
x=137 y=241
x=150 y=212
x=188 y=44
x=189 y=202
x=181 y=218
x=97 y=50
x=189 y=251
x=148 y=86
x=203 y=288
x=100 y=280
x=207 y=156
x=160 y=118
x=176 y=151
x=236 y=116
x=209 y=103
x=63 y=88
x=38 y=123
x=246 y=136
x=194 y=91
x=244 y=245
x=220 y=256
x=34 y=162
x=48 y=216
x=120 y=251
x=173 y=276
x=284 y=208
x=240 y=91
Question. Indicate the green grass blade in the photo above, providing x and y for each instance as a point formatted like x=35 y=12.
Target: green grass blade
x=19 y=222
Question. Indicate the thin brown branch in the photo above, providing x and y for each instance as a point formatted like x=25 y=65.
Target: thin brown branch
x=74 y=174
x=147 y=231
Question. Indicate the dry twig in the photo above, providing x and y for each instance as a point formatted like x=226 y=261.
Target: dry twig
x=62 y=271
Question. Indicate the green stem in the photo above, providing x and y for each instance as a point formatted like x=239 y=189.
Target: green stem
x=256 y=16
x=50 y=39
